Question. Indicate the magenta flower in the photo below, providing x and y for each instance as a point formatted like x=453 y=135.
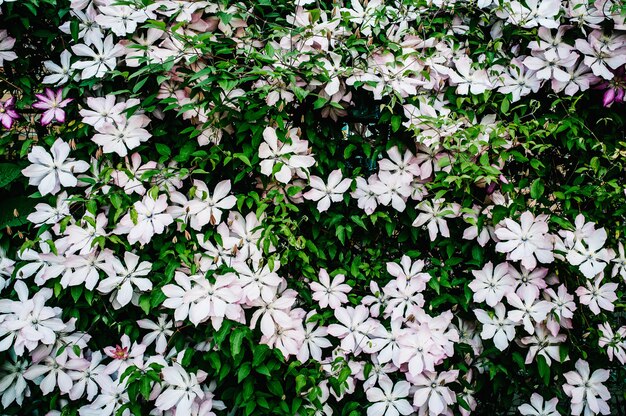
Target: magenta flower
x=52 y=103
x=614 y=89
x=7 y=112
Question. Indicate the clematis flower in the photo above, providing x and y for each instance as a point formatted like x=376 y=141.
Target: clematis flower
x=490 y=284
x=6 y=44
x=328 y=293
x=150 y=219
x=527 y=309
x=98 y=61
x=50 y=171
x=183 y=388
x=353 y=327
x=614 y=89
x=432 y=392
x=598 y=296
x=290 y=158
x=545 y=344
x=434 y=215
x=122 y=137
x=13 y=385
x=7 y=112
x=498 y=327
x=206 y=209
x=59 y=74
x=325 y=193
x=159 y=332
x=537 y=407
x=127 y=280
x=527 y=241
x=124 y=355
x=586 y=390
x=52 y=103
x=589 y=255
x=389 y=399
x=314 y=340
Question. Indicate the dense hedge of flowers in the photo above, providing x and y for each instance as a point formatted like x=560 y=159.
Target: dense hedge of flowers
x=312 y=208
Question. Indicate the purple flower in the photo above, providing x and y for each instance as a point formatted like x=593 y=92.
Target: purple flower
x=7 y=112
x=614 y=89
x=53 y=103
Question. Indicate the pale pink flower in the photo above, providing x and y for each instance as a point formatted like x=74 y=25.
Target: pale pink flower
x=537 y=407
x=314 y=340
x=589 y=255
x=56 y=370
x=527 y=241
x=615 y=343
x=353 y=327
x=127 y=281
x=206 y=209
x=598 y=296
x=159 y=332
x=432 y=393
x=389 y=399
x=50 y=171
x=328 y=293
x=491 y=285
x=182 y=389
x=545 y=344
x=326 y=193
x=563 y=307
x=498 y=326
x=586 y=390
x=434 y=215
x=147 y=218
x=124 y=355
x=527 y=309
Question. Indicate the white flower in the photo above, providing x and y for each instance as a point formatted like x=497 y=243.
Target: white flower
x=389 y=399
x=206 y=209
x=590 y=257
x=13 y=386
x=109 y=401
x=491 y=285
x=433 y=215
x=150 y=218
x=391 y=189
x=528 y=241
x=533 y=13
x=121 y=137
x=88 y=378
x=325 y=193
x=498 y=327
x=432 y=392
x=46 y=214
x=586 y=390
x=290 y=157
x=537 y=407
x=314 y=340
x=328 y=293
x=6 y=44
x=598 y=296
x=183 y=388
x=59 y=73
x=615 y=343
x=56 y=369
x=123 y=19
x=160 y=331
x=100 y=60
x=27 y=323
x=527 y=309
x=365 y=195
x=127 y=280
x=51 y=170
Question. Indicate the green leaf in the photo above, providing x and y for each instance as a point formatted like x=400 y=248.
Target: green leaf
x=236 y=339
x=8 y=173
x=536 y=189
